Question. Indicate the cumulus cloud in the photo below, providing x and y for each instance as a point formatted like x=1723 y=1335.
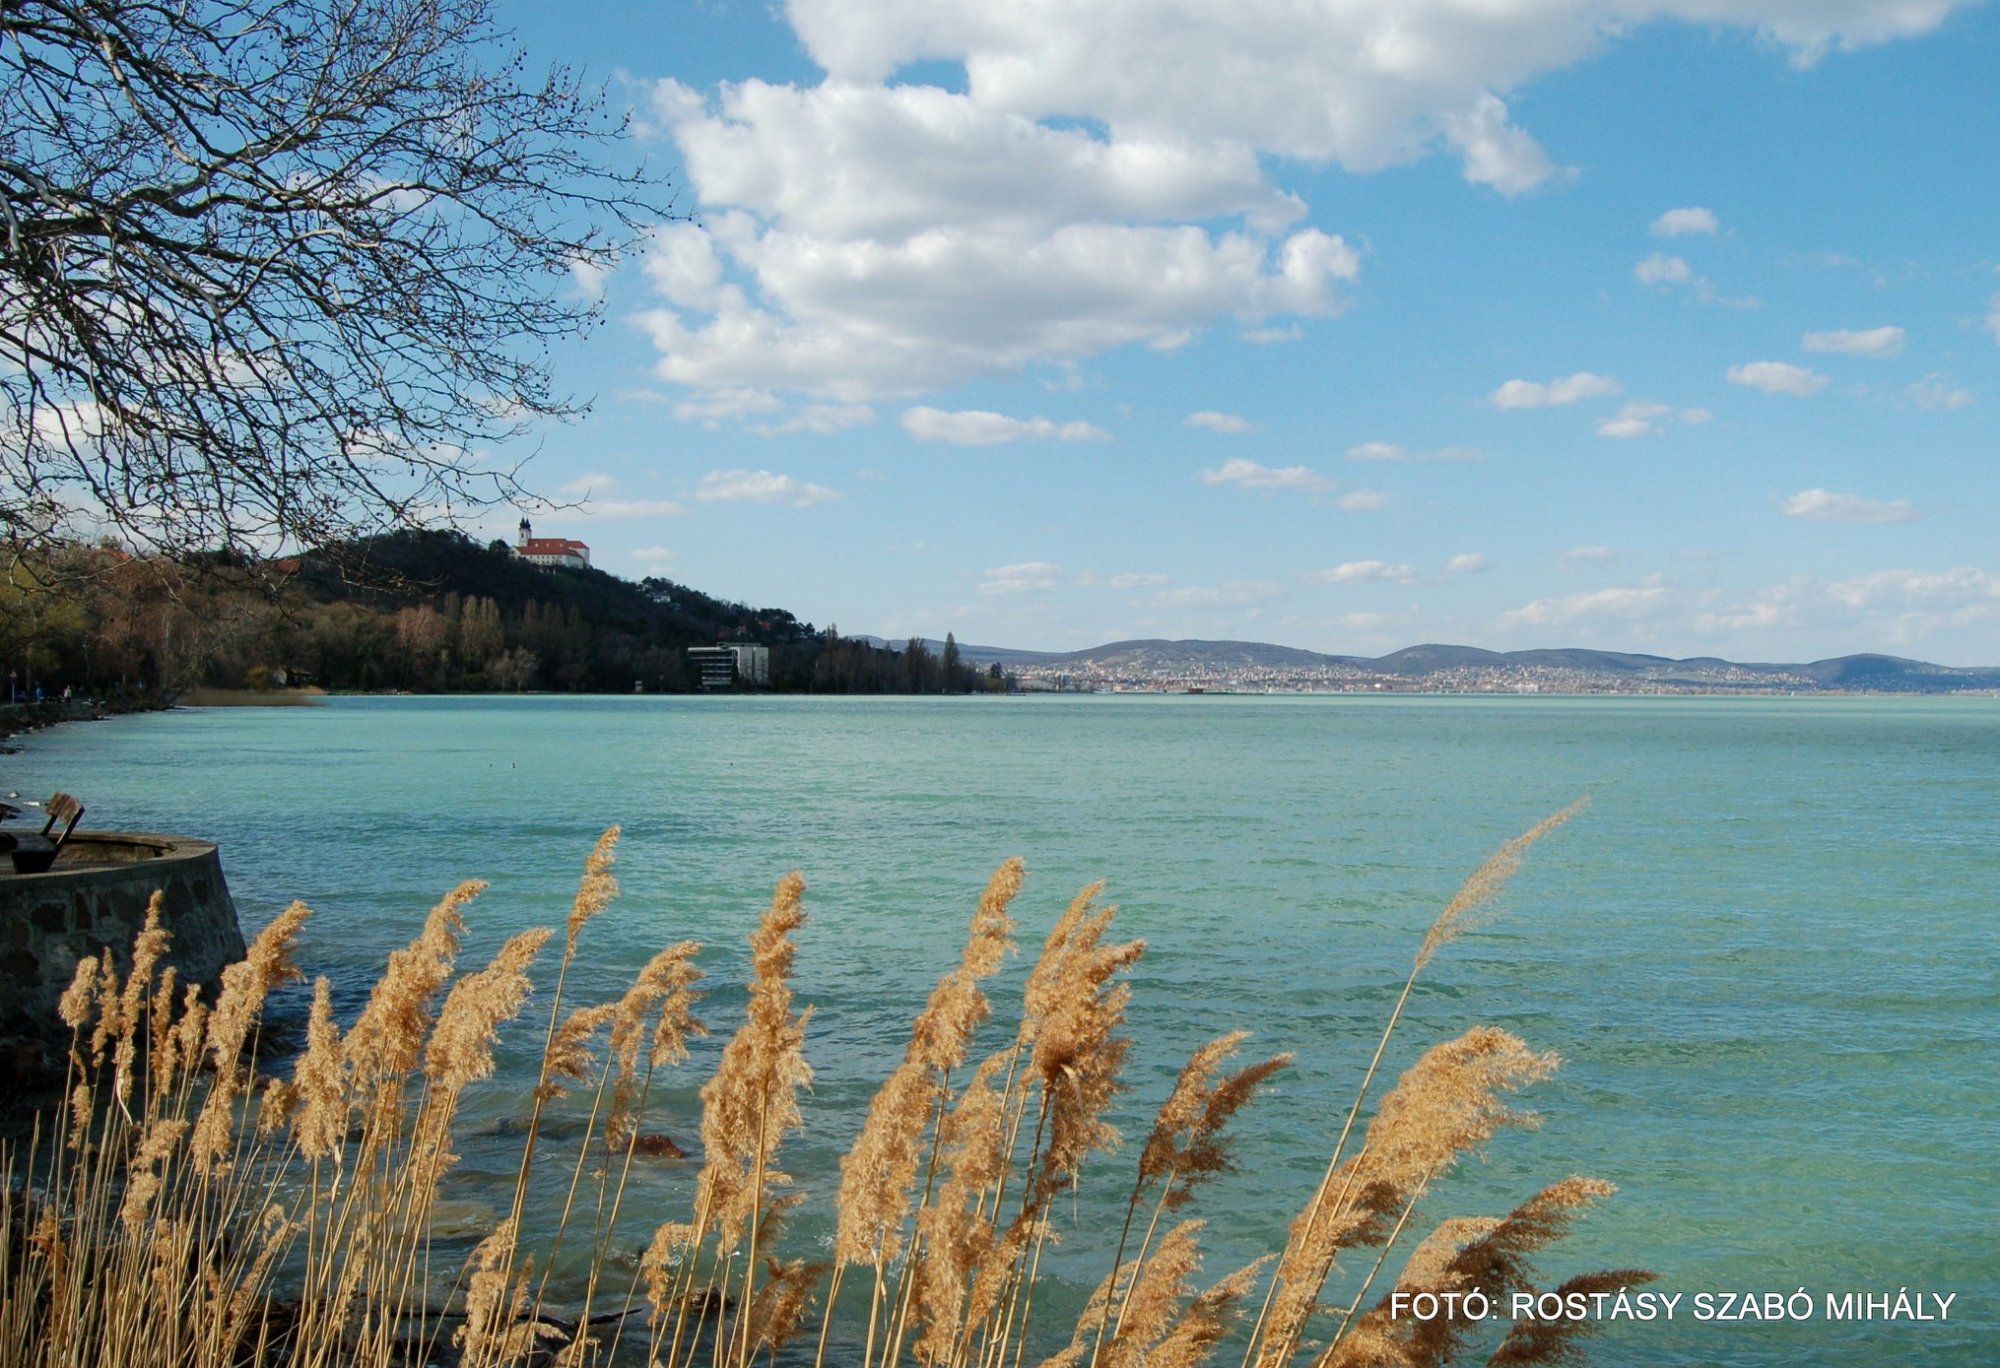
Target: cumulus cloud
x=760 y=486
x=1900 y=607
x=1935 y=392
x=1218 y=422
x=1661 y=269
x=714 y=407
x=1964 y=584
x=870 y=241
x=1856 y=342
x=1365 y=572
x=1777 y=377
x=1641 y=418
x=1633 y=420
x=1096 y=178
x=1024 y=577
x=1354 y=81
x=1391 y=451
x=1681 y=222
x=818 y=418
x=1521 y=394
x=1251 y=475
x=1494 y=152
x=654 y=560
x=1362 y=500
x=1823 y=505
x=596 y=509
x=1641 y=601
x=1465 y=563
x=1235 y=593
x=1586 y=555
x=978 y=427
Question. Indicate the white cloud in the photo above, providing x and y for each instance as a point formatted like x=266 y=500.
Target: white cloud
x=590 y=278
x=1134 y=580
x=1494 y=151
x=1857 y=342
x=1465 y=563
x=1777 y=377
x=1681 y=222
x=1935 y=392
x=1100 y=179
x=1964 y=584
x=1365 y=572
x=596 y=509
x=585 y=485
x=716 y=406
x=865 y=241
x=1218 y=422
x=1251 y=475
x=654 y=560
x=978 y=427
x=819 y=418
x=1640 y=418
x=1635 y=419
x=1362 y=500
x=1353 y=81
x=1520 y=394
x=1289 y=332
x=1236 y=593
x=1637 y=602
x=1586 y=555
x=1024 y=577
x=760 y=486
x=1391 y=451
x=1885 y=608
x=1661 y=269
x=1823 y=505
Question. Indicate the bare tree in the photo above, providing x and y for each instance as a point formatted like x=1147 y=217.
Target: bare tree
x=275 y=269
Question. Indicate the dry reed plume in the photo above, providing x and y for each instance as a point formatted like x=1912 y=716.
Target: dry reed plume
x=186 y=1208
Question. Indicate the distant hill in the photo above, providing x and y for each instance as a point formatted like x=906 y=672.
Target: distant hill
x=1437 y=664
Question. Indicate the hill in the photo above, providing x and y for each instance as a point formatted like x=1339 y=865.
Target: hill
x=426 y=612
x=1442 y=667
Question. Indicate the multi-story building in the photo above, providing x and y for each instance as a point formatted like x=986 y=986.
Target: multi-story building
x=732 y=662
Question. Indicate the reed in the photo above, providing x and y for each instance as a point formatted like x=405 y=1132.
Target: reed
x=188 y=1206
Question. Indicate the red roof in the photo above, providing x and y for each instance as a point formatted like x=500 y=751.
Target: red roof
x=553 y=546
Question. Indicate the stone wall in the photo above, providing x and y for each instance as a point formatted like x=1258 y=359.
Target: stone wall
x=94 y=897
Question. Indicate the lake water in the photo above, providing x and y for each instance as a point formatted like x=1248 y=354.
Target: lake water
x=1766 y=953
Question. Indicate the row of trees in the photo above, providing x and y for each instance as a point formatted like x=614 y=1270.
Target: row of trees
x=439 y=614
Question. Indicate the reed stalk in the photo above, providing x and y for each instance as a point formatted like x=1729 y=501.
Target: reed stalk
x=186 y=1209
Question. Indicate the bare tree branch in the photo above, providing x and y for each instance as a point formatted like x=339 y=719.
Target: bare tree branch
x=274 y=269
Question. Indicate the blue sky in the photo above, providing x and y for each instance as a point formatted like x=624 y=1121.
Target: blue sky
x=1659 y=325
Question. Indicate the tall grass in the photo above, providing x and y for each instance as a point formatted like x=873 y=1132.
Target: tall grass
x=187 y=1207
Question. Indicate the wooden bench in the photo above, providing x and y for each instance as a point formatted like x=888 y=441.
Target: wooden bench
x=34 y=853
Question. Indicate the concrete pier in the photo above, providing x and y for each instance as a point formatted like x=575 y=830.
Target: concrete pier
x=96 y=896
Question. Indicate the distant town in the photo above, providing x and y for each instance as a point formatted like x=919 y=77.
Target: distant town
x=1252 y=667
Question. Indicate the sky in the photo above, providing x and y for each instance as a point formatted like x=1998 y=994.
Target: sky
x=1656 y=325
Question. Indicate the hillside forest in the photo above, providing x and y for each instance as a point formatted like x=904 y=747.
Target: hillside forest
x=426 y=612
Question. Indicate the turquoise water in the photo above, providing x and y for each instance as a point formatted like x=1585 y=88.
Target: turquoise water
x=1766 y=953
